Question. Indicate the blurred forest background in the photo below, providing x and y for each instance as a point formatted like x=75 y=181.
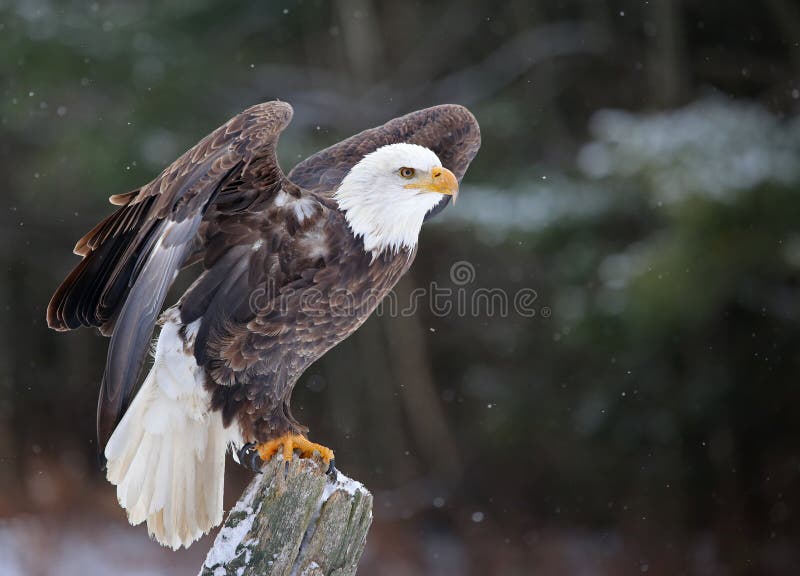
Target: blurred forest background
x=640 y=171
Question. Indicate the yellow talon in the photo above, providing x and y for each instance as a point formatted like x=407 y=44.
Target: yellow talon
x=288 y=443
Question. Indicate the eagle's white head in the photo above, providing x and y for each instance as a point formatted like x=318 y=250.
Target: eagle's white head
x=386 y=196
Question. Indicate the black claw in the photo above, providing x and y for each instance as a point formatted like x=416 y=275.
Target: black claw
x=332 y=470
x=250 y=458
x=286 y=464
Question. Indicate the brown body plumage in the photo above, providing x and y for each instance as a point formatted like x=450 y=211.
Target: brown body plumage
x=276 y=254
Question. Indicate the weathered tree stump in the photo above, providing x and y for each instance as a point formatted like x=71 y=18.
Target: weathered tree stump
x=293 y=520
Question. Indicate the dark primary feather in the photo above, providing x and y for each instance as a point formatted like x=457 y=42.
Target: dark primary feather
x=271 y=269
x=131 y=257
x=134 y=326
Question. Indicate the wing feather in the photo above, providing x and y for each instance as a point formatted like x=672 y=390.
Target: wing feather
x=131 y=258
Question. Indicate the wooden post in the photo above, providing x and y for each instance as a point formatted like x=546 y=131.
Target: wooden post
x=293 y=520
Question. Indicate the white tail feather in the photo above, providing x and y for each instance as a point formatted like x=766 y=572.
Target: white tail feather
x=167 y=455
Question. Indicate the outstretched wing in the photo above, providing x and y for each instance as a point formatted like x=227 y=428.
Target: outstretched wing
x=450 y=130
x=131 y=258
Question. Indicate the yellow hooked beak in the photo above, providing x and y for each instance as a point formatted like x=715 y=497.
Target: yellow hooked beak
x=441 y=181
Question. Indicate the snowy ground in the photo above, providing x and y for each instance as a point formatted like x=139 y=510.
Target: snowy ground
x=81 y=546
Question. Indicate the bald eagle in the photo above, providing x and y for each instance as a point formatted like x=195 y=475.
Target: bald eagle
x=291 y=265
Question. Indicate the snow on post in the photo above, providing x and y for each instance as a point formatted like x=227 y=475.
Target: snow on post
x=293 y=521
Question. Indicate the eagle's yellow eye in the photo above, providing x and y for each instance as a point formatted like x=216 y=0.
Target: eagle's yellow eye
x=407 y=172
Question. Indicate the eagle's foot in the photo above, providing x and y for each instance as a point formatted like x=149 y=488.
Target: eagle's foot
x=288 y=443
